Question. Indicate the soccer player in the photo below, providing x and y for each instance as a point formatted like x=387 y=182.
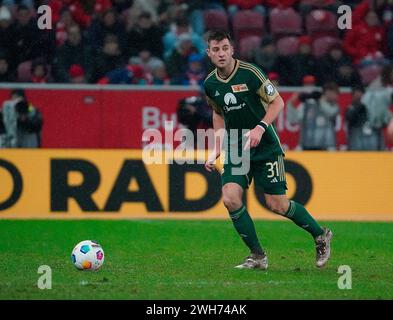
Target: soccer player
x=242 y=97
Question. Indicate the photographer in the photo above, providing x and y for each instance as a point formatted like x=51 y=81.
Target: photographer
x=316 y=115
x=22 y=122
x=193 y=113
x=361 y=134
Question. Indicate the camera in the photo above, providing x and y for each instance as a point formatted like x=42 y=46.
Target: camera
x=315 y=95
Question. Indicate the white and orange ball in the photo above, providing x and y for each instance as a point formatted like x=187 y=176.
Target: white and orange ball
x=87 y=255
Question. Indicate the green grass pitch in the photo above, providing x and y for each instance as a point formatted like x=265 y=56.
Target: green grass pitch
x=150 y=259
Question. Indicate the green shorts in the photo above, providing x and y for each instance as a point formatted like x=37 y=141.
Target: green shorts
x=268 y=174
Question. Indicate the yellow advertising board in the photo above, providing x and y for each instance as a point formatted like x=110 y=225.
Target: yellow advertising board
x=117 y=184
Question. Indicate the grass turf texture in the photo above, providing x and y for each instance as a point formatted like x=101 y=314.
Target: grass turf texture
x=192 y=260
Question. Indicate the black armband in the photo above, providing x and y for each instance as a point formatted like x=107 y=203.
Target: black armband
x=263 y=124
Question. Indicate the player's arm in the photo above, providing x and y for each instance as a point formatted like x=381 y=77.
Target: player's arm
x=275 y=104
x=219 y=131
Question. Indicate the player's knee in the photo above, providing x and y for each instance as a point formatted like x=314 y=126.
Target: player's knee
x=232 y=203
x=232 y=197
x=277 y=206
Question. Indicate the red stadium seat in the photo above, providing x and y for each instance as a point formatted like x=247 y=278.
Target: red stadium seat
x=247 y=46
x=321 y=46
x=287 y=45
x=285 y=22
x=369 y=73
x=247 y=23
x=216 y=19
x=321 y=22
x=24 y=71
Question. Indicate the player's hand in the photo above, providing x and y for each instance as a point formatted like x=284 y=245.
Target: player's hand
x=209 y=164
x=254 y=137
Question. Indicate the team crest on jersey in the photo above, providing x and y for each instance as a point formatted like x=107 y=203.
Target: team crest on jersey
x=269 y=89
x=239 y=87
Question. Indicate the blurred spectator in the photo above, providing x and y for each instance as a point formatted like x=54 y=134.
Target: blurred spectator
x=195 y=10
x=22 y=122
x=180 y=28
x=195 y=74
x=74 y=51
x=366 y=40
x=77 y=74
x=11 y=4
x=147 y=62
x=316 y=115
x=384 y=80
x=390 y=41
x=6 y=75
x=233 y=6
x=378 y=98
x=106 y=24
x=327 y=65
x=295 y=67
x=62 y=26
x=123 y=75
x=145 y=35
x=177 y=62
x=347 y=76
x=7 y=43
x=383 y=8
x=25 y=35
x=169 y=11
x=39 y=71
x=361 y=134
x=266 y=55
x=101 y=6
x=79 y=15
x=109 y=59
x=128 y=74
x=122 y=5
x=160 y=76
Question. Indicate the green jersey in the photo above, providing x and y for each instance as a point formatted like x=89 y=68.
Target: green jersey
x=242 y=100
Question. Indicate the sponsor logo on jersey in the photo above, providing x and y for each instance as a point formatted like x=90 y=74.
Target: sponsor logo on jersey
x=230 y=98
x=239 y=87
x=217 y=93
x=230 y=101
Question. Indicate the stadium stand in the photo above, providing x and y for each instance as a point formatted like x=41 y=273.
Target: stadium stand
x=285 y=21
x=216 y=19
x=247 y=23
x=321 y=45
x=320 y=23
x=247 y=45
x=288 y=45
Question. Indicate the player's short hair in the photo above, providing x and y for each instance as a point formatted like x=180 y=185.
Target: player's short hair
x=218 y=35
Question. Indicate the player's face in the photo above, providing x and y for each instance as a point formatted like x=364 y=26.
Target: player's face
x=220 y=53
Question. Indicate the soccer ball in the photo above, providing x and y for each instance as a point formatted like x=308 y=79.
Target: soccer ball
x=87 y=255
